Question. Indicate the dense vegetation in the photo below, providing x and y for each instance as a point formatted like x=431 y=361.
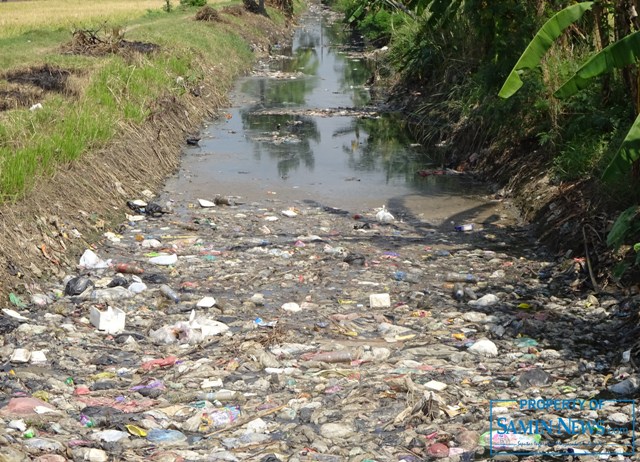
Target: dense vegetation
x=453 y=57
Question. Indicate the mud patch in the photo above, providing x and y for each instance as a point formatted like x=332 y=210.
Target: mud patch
x=46 y=77
x=18 y=98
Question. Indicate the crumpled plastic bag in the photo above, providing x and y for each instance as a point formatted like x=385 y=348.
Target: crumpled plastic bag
x=191 y=331
x=384 y=216
x=90 y=260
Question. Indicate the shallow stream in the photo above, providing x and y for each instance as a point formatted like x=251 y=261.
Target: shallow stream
x=304 y=127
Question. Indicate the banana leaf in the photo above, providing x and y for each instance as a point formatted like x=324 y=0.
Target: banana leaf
x=541 y=43
x=628 y=153
x=442 y=11
x=624 y=227
x=617 y=55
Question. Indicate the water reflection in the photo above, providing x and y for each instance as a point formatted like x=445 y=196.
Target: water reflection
x=286 y=139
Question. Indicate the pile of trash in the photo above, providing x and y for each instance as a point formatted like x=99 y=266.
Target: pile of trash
x=273 y=331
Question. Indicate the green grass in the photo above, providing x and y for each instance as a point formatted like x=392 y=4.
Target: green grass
x=112 y=90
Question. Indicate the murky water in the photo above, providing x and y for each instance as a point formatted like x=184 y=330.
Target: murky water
x=302 y=127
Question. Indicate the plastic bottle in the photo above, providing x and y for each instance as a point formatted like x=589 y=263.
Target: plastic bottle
x=221 y=395
x=339 y=356
x=458 y=291
x=157 y=435
x=128 y=268
x=459 y=277
x=111 y=294
x=169 y=293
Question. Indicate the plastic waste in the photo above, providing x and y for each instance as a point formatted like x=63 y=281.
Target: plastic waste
x=111 y=294
x=626 y=387
x=155 y=278
x=458 y=291
x=525 y=342
x=383 y=216
x=194 y=330
x=128 y=268
x=223 y=416
x=506 y=441
x=206 y=302
x=205 y=203
x=44 y=444
x=137 y=287
x=221 y=395
x=155 y=210
x=379 y=300
x=459 y=277
x=77 y=285
x=339 y=356
x=164 y=260
x=137 y=206
x=169 y=293
x=20 y=355
x=485 y=300
x=118 y=281
x=161 y=436
x=90 y=260
x=112 y=320
x=464 y=228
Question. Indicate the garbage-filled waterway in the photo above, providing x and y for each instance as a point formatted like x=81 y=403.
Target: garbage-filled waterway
x=304 y=126
x=223 y=322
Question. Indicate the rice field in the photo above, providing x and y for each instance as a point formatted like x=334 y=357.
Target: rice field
x=18 y=17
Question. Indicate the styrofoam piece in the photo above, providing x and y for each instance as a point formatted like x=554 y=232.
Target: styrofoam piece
x=14 y=314
x=166 y=260
x=111 y=321
x=206 y=302
x=38 y=356
x=379 y=301
x=20 y=355
x=205 y=203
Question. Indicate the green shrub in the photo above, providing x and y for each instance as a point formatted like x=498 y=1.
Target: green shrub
x=197 y=3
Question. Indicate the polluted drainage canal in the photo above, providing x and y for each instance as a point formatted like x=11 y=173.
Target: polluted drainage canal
x=226 y=325
x=303 y=127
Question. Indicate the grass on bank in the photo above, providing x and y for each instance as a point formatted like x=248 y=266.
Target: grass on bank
x=111 y=90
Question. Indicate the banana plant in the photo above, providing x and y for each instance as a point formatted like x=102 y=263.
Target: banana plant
x=624 y=52
x=541 y=43
x=439 y=10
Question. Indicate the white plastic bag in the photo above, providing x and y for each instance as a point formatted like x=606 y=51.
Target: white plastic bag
x=90 y=260
x=383 y=216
